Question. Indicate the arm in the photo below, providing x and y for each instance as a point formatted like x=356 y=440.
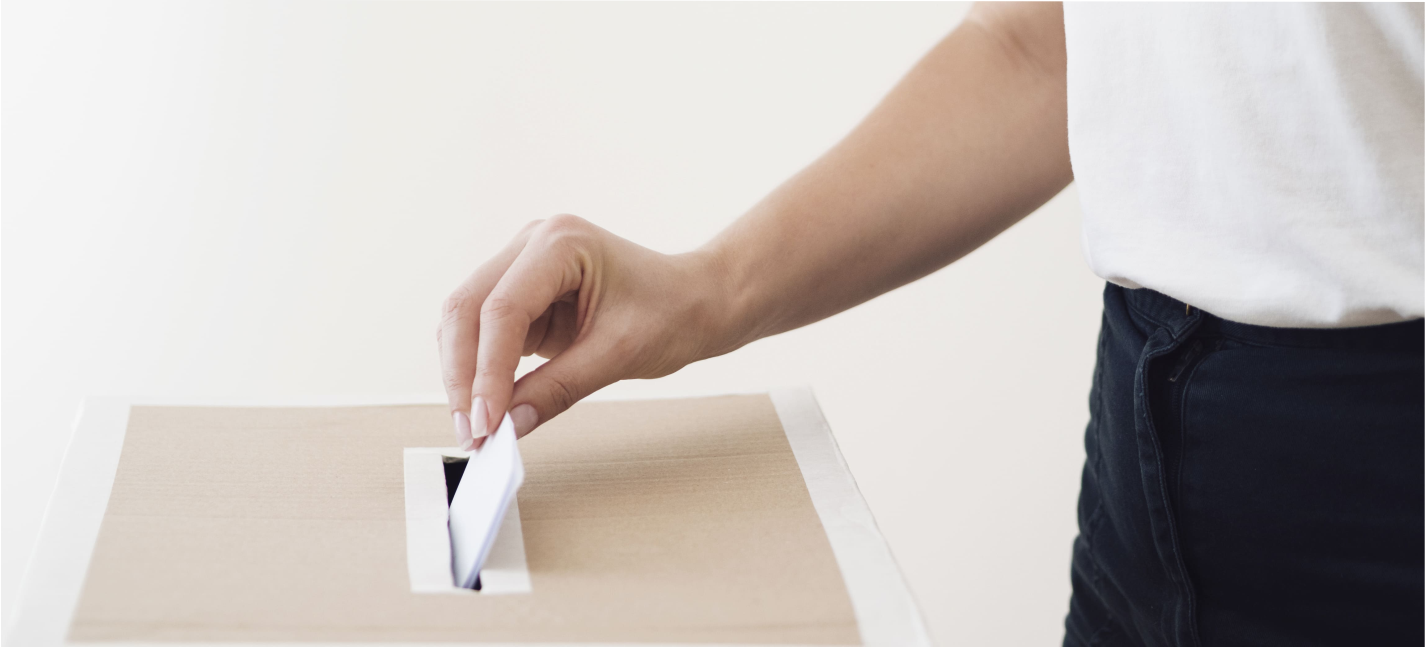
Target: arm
x=971 y=141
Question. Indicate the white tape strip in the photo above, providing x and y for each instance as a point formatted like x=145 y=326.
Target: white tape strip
x=51 y=587
x=885 y=611
x=427 y=537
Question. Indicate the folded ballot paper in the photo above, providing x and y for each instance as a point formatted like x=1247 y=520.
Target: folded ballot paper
x=728 y=520
x=486 y=488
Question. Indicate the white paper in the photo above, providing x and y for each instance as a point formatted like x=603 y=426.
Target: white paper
x=491 y=479
x=506 y=570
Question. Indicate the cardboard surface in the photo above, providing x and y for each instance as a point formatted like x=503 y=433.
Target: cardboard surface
x=671 y=521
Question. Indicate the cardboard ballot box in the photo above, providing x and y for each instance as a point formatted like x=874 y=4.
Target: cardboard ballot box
x=727 y=520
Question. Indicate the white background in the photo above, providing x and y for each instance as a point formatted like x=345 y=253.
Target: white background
x=254 y=199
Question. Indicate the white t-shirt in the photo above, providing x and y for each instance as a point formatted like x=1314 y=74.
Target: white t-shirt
x=1262 y=162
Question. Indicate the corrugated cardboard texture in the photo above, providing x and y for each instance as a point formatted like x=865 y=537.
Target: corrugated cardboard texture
x=672 y=521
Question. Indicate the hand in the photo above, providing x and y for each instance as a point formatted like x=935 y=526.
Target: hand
x=600 y=307
x=972 y=140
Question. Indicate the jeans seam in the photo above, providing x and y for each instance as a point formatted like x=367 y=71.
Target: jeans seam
x=1173 y=344
x=1170 y=327
x=1087 y=533
x=1157 y=322
x=1261 y=344
x=1188 y=587
x=1097 y=436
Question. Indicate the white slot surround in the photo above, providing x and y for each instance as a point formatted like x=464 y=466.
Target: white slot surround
x=428 y=557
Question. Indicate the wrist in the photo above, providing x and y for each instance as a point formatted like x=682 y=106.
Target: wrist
x=719 y=302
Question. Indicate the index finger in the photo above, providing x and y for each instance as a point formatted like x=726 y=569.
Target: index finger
x=538 y=277
x=458 y=334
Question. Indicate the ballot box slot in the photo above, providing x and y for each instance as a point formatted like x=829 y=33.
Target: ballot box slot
x=454 y=469
x=431 y=476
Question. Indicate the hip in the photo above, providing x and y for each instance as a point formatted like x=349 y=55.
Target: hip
x=1250 y=484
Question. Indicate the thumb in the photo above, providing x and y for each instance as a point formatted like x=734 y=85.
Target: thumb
x=556 y=385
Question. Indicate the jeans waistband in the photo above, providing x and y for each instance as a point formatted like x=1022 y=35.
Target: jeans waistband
x=1404 y=336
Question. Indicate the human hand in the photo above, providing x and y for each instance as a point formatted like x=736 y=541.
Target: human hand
x=968 y=143
x=601 y=308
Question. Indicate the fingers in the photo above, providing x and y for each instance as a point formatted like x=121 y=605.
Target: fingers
x=458 y=334
x=544 y=271
x=555 y=386
x=535 y=337
x=563 y=326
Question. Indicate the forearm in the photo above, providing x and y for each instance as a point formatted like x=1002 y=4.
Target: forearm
x=972 y=140
x=969 y=142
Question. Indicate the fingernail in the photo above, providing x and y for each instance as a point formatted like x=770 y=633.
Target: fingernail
x=462 y=429
x=481 y=423
x=525 y=418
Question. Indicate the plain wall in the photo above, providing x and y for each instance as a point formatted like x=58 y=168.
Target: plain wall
x=253 y=199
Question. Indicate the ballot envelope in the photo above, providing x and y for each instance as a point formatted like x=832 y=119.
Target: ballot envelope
x=727 y=520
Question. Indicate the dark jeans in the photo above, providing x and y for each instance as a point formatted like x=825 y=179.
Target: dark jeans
x=1249 y=485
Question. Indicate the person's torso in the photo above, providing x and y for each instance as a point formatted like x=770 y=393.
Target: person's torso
x=1260 y=161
